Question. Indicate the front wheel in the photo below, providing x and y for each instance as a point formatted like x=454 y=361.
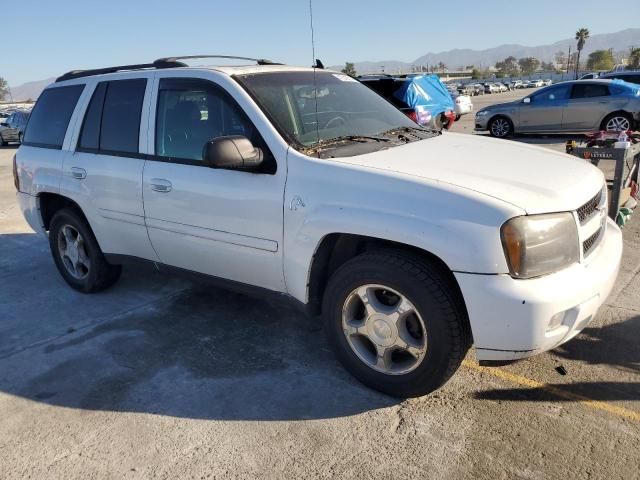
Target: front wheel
x=395 y=323
x=500 y=127
x=77 y=254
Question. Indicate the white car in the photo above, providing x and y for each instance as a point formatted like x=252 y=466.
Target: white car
x=463 y=105
x=548 y=82
x=491 y=88
x=502 y=87
x=413 y=245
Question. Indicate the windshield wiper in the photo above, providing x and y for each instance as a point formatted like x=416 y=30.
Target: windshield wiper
x=410 y=129
x=353 y=138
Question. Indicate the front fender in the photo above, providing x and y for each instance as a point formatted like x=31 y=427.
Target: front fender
x=460 y=227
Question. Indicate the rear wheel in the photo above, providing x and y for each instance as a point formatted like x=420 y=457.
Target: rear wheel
x=77 y=254
x=617 y=122
x=395 y=323
x=500 y=127
x=3 y=142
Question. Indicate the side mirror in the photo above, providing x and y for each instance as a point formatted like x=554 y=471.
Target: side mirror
x=526 y=100
x=232 y=153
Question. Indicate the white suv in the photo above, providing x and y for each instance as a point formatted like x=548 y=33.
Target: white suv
x=412 y=244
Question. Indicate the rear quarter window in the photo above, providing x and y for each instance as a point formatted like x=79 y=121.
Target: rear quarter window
x=50 y=117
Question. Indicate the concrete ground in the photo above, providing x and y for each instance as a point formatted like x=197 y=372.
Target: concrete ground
x=166 y=378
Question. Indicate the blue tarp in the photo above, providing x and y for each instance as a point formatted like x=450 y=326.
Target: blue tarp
x=427 y=92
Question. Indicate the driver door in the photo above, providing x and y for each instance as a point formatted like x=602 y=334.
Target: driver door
x=224 y=223
x=545 y=111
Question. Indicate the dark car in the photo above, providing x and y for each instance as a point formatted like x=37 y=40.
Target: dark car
x=423 y=98
x=631 y=77
x=13 y=127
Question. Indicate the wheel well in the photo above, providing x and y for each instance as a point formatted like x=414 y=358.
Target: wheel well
x=50 y=203
x=338 y=248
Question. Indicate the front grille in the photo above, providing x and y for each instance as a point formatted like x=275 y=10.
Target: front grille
x=591 y=242
x=586 y=211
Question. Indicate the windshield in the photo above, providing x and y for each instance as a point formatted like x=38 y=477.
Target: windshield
x=345 y=107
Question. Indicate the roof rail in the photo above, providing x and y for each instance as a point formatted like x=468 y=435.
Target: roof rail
x=259 y=61
x=161 y=63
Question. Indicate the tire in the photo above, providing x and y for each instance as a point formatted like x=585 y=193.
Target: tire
x=457 y=117
x=3 y=142
x=617 y=121
x=500 y=127
x=433 y=328
x=77 y=254
x=20 y=139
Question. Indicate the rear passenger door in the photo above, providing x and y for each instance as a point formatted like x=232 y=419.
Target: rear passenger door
x=104 y=174
x=588 y=105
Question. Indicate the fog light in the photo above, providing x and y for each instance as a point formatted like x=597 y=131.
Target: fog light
x=556 y=321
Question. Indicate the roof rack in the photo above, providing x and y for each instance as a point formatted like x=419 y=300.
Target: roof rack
x=168 y=62
x=161 y=63
x=259 y=61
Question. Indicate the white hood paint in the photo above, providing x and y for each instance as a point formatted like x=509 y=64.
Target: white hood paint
x=532 y=178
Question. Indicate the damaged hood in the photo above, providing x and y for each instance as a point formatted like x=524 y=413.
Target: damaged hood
x=535 y=179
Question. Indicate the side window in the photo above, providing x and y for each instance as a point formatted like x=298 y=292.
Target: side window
x=191 y=112
x=552 y=94
x=589 y=90
x=112 y=120
x=120 y=129
x=90 y=135
x=50 y=117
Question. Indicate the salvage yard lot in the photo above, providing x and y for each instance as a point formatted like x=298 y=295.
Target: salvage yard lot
x=167 y=377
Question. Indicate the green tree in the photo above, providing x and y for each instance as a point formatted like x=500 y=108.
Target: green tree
x=4 y=89
x=508 y=67
x=600 y=60
x=581 y=36
x=349 y=69
x=547 y=67
x=476 y=74
x=634 y=59
x=528 y=65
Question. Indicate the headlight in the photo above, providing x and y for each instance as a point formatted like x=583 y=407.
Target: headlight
x=482 y=114
x=537 y=245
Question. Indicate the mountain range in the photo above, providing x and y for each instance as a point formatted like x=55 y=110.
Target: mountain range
x=454 y=59
x=459 y=58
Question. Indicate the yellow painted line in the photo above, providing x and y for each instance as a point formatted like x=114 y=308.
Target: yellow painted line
x=527 y=382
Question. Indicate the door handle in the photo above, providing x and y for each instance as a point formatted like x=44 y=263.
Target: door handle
x=78 y=173
x=160 y=185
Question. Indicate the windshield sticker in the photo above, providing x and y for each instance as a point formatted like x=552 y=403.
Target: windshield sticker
x=344 y=78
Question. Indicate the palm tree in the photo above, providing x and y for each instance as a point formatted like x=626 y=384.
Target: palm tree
x=581 y=36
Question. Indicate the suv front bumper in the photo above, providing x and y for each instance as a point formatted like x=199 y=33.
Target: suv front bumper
x=510 y=319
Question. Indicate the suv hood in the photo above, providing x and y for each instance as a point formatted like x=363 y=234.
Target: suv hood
x=535 y=179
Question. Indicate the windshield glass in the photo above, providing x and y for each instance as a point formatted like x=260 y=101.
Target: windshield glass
x=345 y=107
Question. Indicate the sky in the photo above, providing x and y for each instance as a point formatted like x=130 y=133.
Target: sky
x=45 y=38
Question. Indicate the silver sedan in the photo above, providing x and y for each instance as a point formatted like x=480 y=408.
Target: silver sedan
x=576 y=107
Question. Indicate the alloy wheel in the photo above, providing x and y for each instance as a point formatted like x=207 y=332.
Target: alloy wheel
x=500 y=127
x=384 y=329
x=71 y=248
x=618 y=123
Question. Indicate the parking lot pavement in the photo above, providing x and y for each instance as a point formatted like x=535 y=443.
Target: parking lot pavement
x=162 y=377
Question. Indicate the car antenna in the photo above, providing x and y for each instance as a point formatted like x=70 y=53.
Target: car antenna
x=318 y=64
